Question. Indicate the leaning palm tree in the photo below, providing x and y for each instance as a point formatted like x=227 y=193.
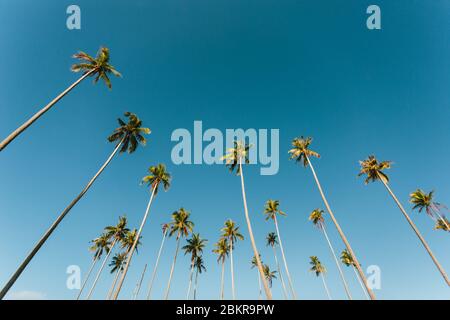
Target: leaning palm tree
x=318 y=220
x=139 y=284
x=194 y=247
x=199 y=268
x=100 y=245
x=422 y=200
x=98 y=67
x=234 y=160
x=182 y=227
x=271 y=210
x=222 y=250
x=128 y=136
x=269 y=274
x=347 y=259
x=442 y=224
x=158 y=175
x=165 y=229
x=302 y=154
x=231 y=232
x=271 y=240
x=117 y=267
x=255 y=265
x=319 y=270
x=374 y=172
x=116 y=234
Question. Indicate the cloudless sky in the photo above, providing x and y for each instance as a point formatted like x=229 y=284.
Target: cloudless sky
x=304 y=67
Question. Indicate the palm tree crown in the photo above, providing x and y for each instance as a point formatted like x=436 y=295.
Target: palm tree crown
x=347 y=258
x=271 y=209
x=180 y=223
x=117 y=261
x=317 y=218
x=158 y=174
x=442 y=224
x=271 y=239
x=316 y=266
x=254 y=261
x=129 y=238
x=118 y=231
x=239 y=153
x=269 y=275
x=199 y=264
x=130 y=134
x=195 y=246
x=221 y=249
x=99 y=66
x=100 y=245
x=231 y=232
x=374 y=169
x=300 y=151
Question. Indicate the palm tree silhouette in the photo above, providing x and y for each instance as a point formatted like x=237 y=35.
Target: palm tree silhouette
x=222 y=250
x=231 y=232
x=271 y=240
x=195 y=246
x=423 y=201
x=319 y=270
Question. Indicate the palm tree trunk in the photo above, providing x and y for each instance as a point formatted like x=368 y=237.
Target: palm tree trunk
x=101 y=269
x=195 y=284
x=222 y=282
x=326 y=287
x=279 y=272
x=113 y=285
x=133 y=247
x=156 y=265
x=360 y=283
x=88 y=275
x=37 y=115
x=341 y=233
x=259 y=284
x=55 y=224
x=347 y=291
x=140 y=283
x=294 y=295
x=413 y=226
x=232 y=269
x=252 y=239
x=173 y=267
x=190 y=280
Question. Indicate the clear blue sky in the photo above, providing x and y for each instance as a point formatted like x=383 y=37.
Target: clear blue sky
x=305 y=67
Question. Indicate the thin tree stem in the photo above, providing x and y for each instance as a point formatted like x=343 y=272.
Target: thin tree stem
x=195 y=284
x=88 y=274
x=232 y=269
x=190 y=280
x=360 y=283
x=113 y=285
x=222 y=280
x=173 y=267
x=140 y=283
x=259 y=284
x=326 y=287
x=156 y=264
x=285 y=293
x=101 y=269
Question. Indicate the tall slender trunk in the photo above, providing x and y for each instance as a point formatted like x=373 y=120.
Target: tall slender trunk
x=37 y=115
x=291 y=286
x=344 y=282
x=156 y=264
x=252 y=239
x=222 y=280
x=326 y=287
x=195 y=284
x=140 y=283
x=55 y=224
x=101 y=269
x=88 y=274
x=190 y=280
x=360 y=283
x=341 y=233
x=285 y=293
x=259 y=285
x=173 y=266
x=233 y=294
x=133 y=247
x=113 y=285
x=416 y=231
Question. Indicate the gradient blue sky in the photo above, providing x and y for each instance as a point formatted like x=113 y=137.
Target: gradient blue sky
x=305 y=67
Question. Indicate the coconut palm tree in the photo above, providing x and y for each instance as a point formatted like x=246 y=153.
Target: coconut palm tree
x=347 y=259
x=194 y=247
x=271 y=210
x=158 y=175
x=234 y=160
x=302 y=154
x=138 y=285
x=222 y=250
x=319 y=270
x=271 y=240
x=255 y=265
x=231 y=232
x=422 y=200
x=117 y=267
x=100 y=245
x=442 y=224
x=128 y=136
x=98 y=67
x=116 y=234
x=373 y=170
x=199 y=268
x=318 y=220
x=182 y=227
x=269 y=274
x=165 y=229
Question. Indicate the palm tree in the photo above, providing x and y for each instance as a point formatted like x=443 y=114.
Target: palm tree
x=422 y=200
x=199 y=268
x=374 y=171
x=319 y=270
x=301 y=153
x=195 y=246
x=233 y=160
x=100 y=245
x=231 y=232
x=116 y=233
x=117 y=267
x=98 y=66
x=255 y=265
x=269 y=274
x=165 y=229
x=271 y=240
x=318 y=220
x=222 y=250
x=442 y=224
x=158 y=175
x=138 y=285
x=128 y=136
x=271 y=210
x=182 y=226
x=347 y=259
